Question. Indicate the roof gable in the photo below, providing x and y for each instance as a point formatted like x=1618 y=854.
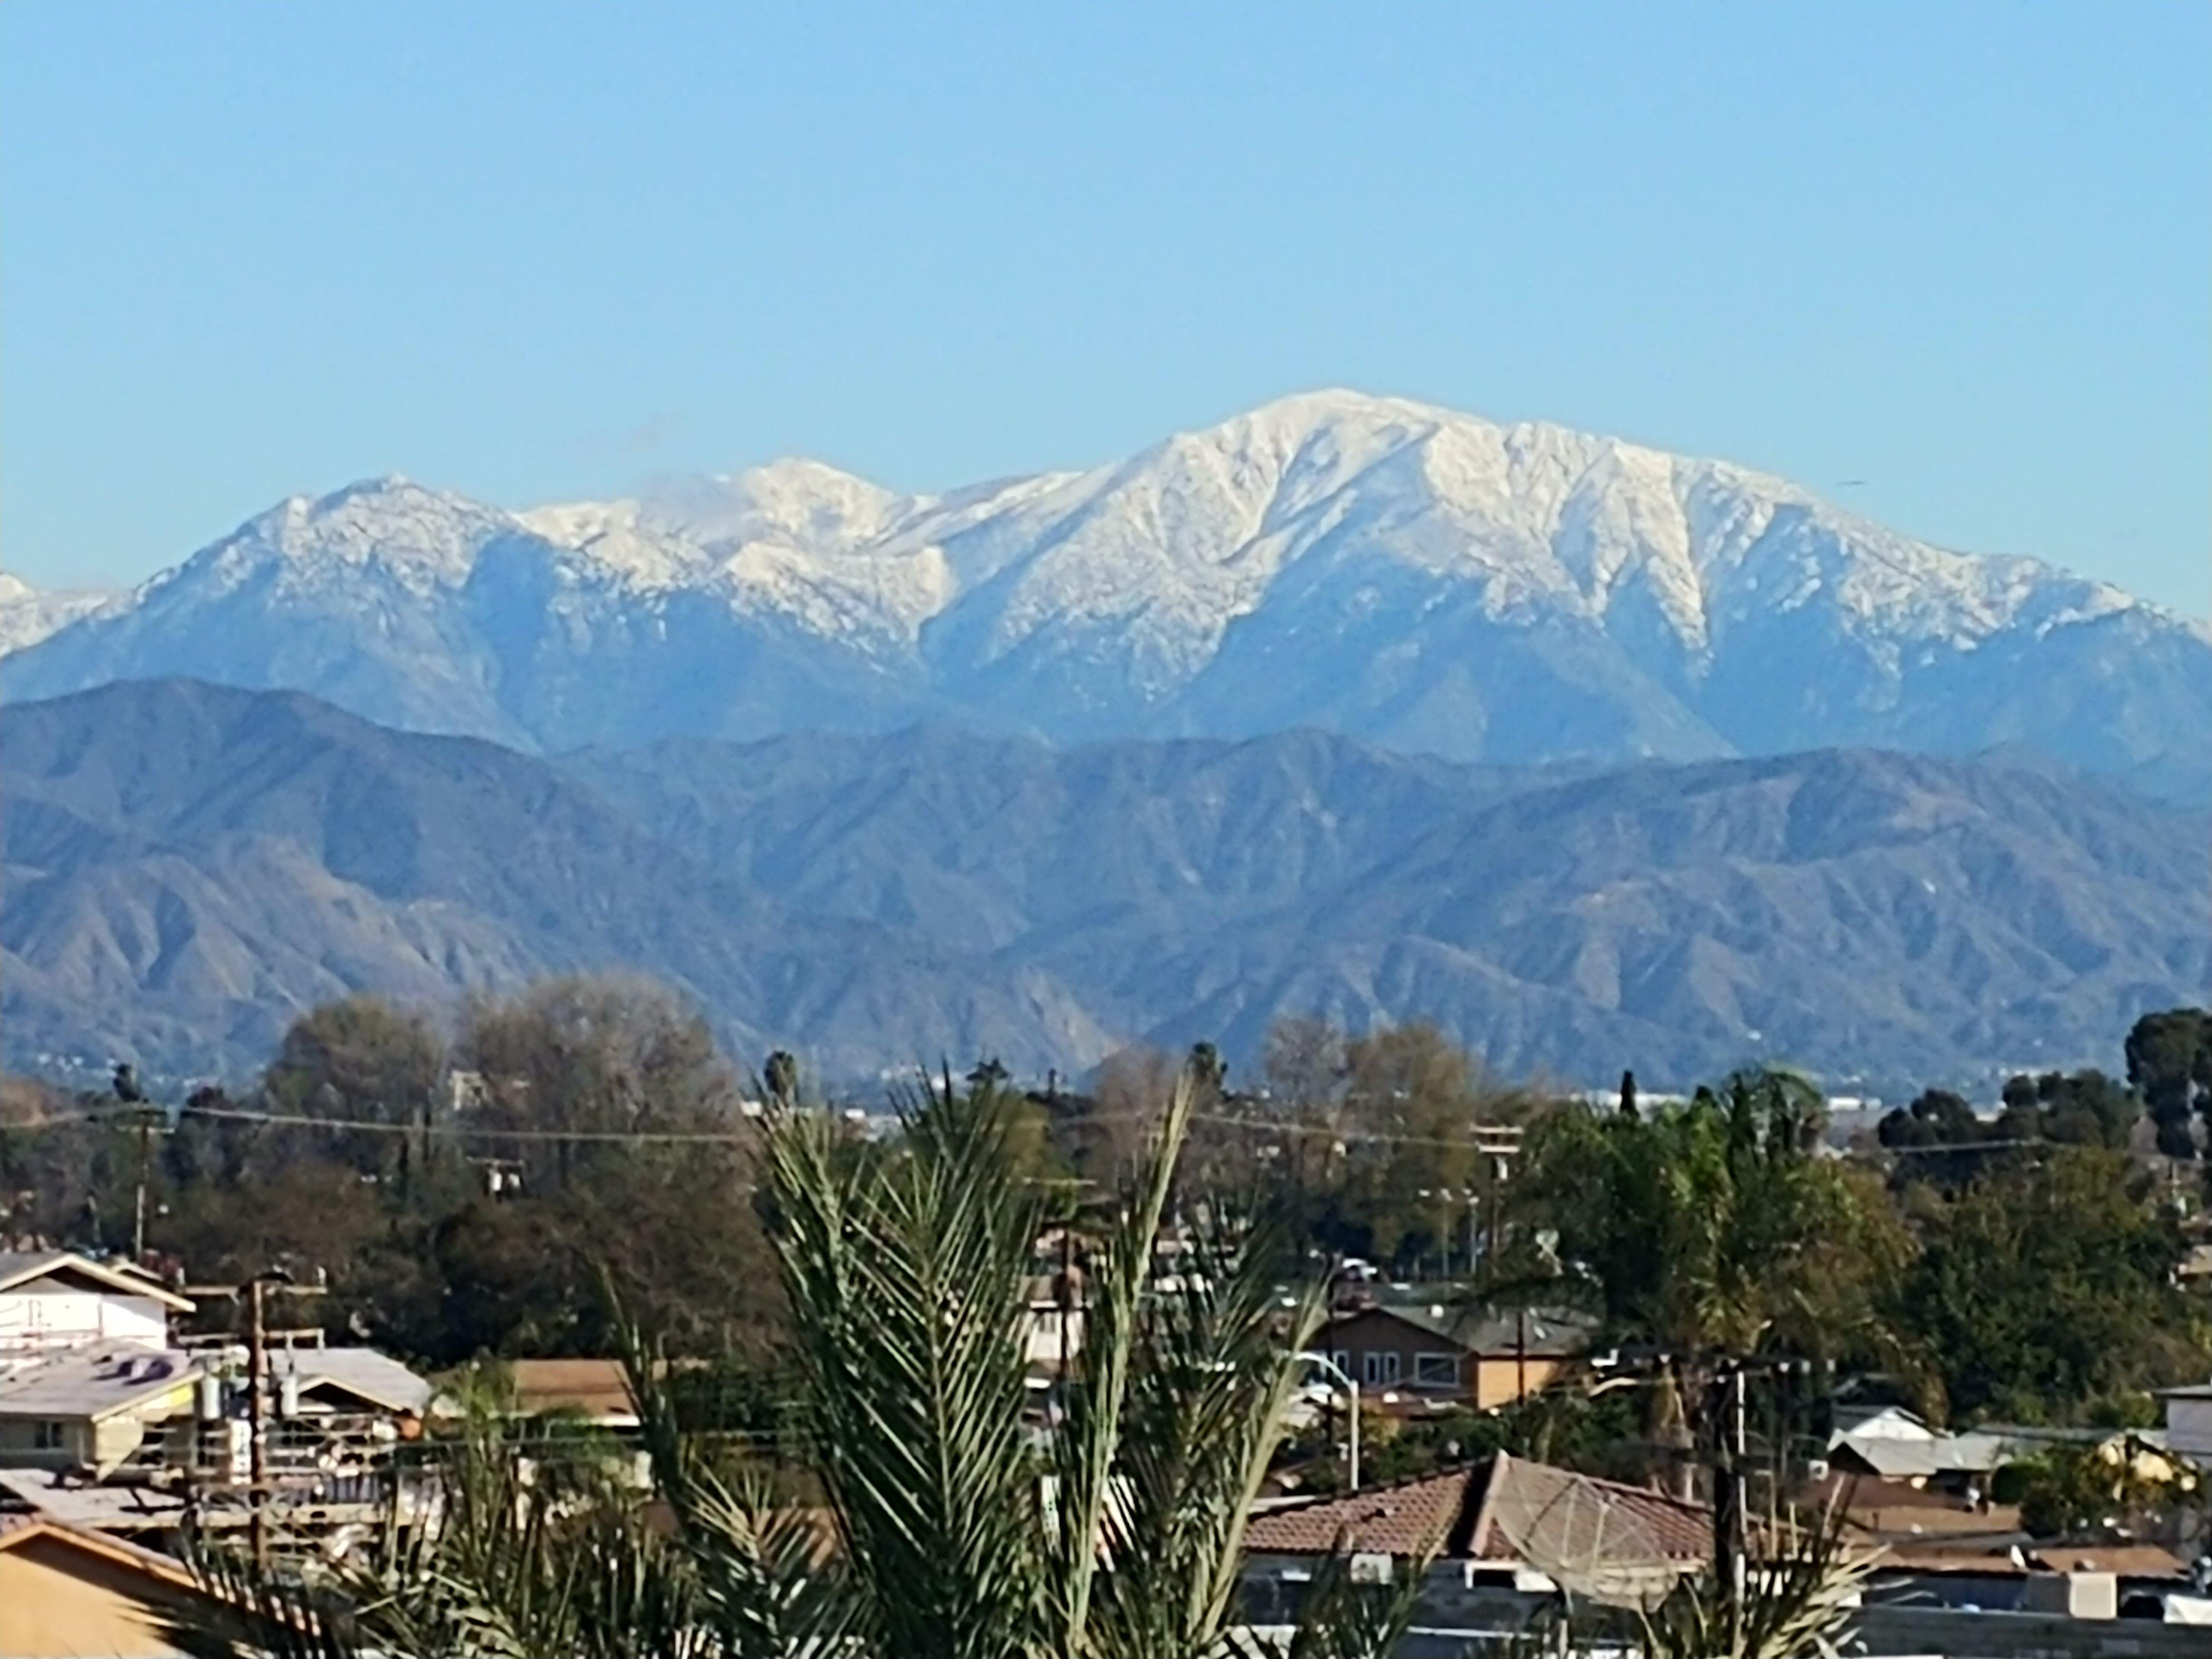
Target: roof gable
x=19 y=1530
x=21 y=1270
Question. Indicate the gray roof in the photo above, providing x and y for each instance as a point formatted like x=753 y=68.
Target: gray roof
x=1897 y=1459
x=362 y=1372
x=19 y=1267
x=106 y=1507
x=94 y=1383
x=1489 y=1331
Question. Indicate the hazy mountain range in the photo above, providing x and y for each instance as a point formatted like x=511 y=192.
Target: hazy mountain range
x=186 y=867
x=1414 y=578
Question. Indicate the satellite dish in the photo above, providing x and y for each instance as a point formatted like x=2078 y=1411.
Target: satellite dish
x=1583 y=1536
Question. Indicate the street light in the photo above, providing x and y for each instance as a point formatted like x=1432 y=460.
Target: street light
x=1351 y=1389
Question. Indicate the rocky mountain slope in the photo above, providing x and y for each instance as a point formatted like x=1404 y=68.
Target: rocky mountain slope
x=1418 y=579
x=186 y=867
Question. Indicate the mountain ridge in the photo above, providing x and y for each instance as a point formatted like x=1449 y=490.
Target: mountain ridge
x=1412 y=577
x=188 y=865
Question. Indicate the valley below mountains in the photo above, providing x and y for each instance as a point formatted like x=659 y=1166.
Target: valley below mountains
x=189 y=866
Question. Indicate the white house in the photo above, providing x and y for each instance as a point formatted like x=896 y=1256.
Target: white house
x=54 y=1300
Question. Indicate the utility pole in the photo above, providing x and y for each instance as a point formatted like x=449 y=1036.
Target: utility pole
x=1734 y=1453
x=257 y=1408
x=145 y=1166
x=257 y=1412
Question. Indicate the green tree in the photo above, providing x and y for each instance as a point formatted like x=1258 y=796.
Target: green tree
x=2170 y=1063
x=362 y=1060
x=905 y=1262
x=905 y=1267
x=1714 y=1230
x=2046 y=1288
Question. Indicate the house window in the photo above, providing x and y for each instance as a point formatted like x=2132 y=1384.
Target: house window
x=1342 y=1360
x=1379 y=1368
x=48 y=1436
x=1435 y=1370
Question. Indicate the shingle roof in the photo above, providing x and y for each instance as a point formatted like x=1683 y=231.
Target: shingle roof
x=17 y=1530
x=1547 y=1333
x=2128 y=1560
x=58 y=1496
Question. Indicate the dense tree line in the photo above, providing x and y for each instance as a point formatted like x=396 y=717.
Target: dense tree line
x=479 y=1191
x=458 y=1195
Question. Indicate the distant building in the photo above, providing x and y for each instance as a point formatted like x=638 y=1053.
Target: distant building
x=1893 y=1444
x=1505 y=1525
x=52 y=1300
x=1438 y=1352
x=93 y=1409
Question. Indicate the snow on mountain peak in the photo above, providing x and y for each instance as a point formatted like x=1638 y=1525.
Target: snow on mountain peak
x=1386 y=566
x=29 y=615
x=424 y=540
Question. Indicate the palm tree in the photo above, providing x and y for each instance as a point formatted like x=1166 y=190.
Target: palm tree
x=961 y=1529
x=1117 y=1534
x=1711 y=1232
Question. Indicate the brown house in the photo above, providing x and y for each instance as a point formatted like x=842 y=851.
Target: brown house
x=67 y=1592
x=1434 y=1352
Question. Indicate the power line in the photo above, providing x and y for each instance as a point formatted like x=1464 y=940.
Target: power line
x=1482 y=1137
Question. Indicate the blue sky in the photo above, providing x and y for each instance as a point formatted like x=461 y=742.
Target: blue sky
x=546 y=251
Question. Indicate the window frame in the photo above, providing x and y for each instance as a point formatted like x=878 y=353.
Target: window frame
x=1427 y=1360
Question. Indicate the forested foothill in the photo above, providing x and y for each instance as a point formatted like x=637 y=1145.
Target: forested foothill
x=494 y=1185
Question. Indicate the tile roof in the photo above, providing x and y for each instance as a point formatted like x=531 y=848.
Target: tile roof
x=1493 y=1512
x=1405 y=1519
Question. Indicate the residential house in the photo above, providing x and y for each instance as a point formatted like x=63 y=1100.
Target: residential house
x=1892 y=1443
x=56 y=1299
x=349 y=1382
x=67 y=1592
x=1415 y=1352
x=1506 y=1527
x=93 y=1409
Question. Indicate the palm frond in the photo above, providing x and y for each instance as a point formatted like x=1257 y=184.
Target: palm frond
x=906 y=1269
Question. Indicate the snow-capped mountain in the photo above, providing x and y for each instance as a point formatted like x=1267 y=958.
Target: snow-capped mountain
x=27 y=615
x=1402 y=573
